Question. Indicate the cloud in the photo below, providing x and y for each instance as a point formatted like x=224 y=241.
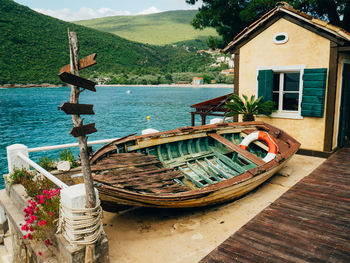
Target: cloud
x=185 y=5
x=83 y=13
x=151 y=10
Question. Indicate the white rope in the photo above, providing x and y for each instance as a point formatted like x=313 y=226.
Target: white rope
x=84 y=225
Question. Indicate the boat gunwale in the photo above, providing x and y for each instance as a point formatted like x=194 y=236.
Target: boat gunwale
x=174 y=132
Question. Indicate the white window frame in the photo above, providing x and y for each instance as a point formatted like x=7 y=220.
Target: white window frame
x=279 y=42
x=285 y=69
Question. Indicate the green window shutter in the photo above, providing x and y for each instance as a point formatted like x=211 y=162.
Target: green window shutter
x=314 y=89
x=265 y=84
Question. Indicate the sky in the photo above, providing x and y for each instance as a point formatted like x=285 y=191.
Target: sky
x=73 y=10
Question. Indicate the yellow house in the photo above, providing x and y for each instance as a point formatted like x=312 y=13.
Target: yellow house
x=303 y=65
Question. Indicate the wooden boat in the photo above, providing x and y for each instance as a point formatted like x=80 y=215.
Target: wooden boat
x=189 y=166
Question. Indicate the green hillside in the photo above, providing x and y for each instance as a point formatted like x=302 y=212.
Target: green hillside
x=156 y=29
x=33 y=47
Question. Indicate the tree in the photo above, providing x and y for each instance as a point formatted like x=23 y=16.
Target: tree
x=206 y=78
x=229 y=17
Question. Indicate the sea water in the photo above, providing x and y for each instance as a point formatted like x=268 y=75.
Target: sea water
x=30 y=116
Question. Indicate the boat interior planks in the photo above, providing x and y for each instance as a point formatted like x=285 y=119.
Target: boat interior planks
x=189 y=166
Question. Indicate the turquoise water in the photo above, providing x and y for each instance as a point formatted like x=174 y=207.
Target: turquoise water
x=30 y=116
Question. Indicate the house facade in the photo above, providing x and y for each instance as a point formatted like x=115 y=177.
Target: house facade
x=303 y=65
x=197 y=81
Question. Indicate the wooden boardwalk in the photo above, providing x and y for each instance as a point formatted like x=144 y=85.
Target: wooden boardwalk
x=309 y=223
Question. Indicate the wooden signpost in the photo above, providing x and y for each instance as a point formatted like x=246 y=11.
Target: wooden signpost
x=77 y=81
x=83 y=63
x=83 y=130
x=78 y=109
x=70 y=75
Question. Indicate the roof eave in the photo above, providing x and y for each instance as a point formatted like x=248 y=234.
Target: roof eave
x=251 y=28
x=245 y=32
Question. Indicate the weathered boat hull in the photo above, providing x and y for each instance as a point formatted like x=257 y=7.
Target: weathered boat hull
x=202 y=191
x=215 y=197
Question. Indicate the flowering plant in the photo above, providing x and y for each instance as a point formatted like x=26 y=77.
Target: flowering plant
x=42 y=211
x=41 y=216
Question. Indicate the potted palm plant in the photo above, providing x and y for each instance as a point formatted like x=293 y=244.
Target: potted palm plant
x=249 y=108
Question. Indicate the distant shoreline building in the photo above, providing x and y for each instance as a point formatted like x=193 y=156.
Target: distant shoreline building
x=227 y=72
x=197 y=81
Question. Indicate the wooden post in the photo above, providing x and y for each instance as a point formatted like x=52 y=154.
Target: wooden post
x=78 y=122
x=192 y=118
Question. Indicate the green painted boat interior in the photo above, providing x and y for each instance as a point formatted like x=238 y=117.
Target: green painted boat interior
x=203 y=161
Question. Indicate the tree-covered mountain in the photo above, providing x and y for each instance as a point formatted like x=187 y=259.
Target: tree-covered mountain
x=157 y=29
x=33 y=47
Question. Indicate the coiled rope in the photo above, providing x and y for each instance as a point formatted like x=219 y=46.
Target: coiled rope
x=84 y=224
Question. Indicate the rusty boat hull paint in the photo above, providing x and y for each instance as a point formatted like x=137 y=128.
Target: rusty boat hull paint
x=189 y=188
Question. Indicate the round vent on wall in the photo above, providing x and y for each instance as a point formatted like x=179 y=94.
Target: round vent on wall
x=280 y=38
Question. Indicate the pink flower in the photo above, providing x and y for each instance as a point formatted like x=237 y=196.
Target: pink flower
x=25 y=227
x=42 y=223
x=39 y=253
x=50 y=213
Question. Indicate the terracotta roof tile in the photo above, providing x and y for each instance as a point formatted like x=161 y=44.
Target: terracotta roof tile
x=319 y=22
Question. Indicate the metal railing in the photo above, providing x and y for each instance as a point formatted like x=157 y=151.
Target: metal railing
x=23 y=157
x=47 y=174
x=68 y=145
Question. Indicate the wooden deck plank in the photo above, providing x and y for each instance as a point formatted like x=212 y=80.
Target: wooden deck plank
x=309 y=223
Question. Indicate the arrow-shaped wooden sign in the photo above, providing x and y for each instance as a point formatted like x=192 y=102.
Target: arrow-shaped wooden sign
x=77 y=81
x=83 y=63
x=78 y=109
x=83 y=130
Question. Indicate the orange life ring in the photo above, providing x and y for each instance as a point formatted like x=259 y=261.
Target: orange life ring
x=260 y=135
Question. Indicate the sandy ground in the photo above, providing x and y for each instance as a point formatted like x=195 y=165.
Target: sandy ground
x=186 y=236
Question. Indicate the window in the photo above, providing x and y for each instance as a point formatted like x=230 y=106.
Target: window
x=286 y=91
x=280 y=38
x=297 y=92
